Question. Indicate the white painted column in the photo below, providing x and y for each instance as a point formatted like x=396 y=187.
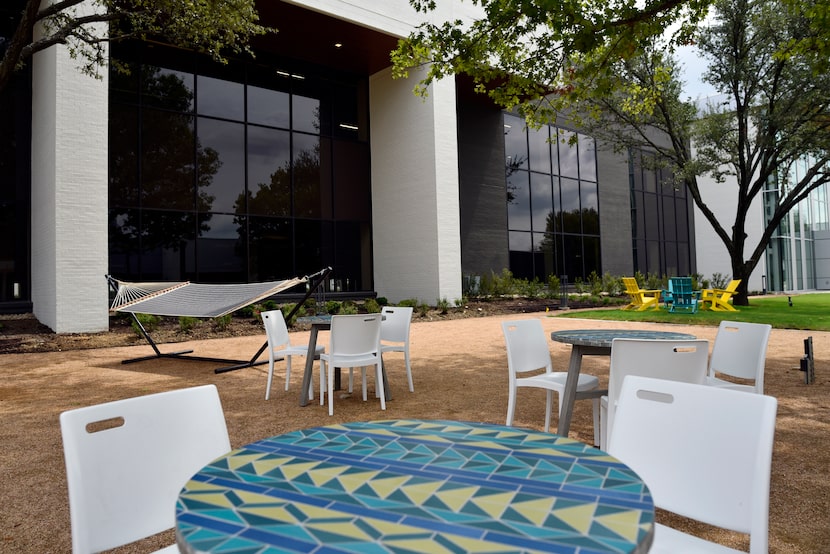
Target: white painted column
x=69 y=194
x=415 y=205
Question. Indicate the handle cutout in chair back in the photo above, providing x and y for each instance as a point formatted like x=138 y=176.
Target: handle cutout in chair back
x=104 y=424
x=654 y=396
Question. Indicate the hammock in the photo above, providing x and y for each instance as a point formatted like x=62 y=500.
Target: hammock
x=186 y=299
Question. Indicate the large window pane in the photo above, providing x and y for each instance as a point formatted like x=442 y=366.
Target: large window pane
x=571 y=220
x=220 y=98
x=587 y=158
x=541 y=202
x=306 y=155
x=271 y=243
x=167 y=165
x=221 y=170
x=269 y=171
x=268 y=107
x=167 y=88
x=306 y=114
x=539 y=149
x=518 y=202
x=590 y=207
x=352 y=190
x=568 y=155
x=168 y=241
x=515 y=144
x=123 y=169
x=220 y=254
x=521 y=254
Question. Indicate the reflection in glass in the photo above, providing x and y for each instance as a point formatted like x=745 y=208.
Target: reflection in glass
x=518 y=202
x=220 y=98
x=271 y=245
x=167 y=171
x=305 y=114
x=587 y=158
x=306 y=156
x=167 y=245
x=123 y=160
x=589 y=204
x=228 y=180
x=220 y=252
x=570 y=211
x=268 y=107
x=541 y=202
x=269 y=171
x=167 y=88
x=515 y=144
x=568 y=159
x=539 y=149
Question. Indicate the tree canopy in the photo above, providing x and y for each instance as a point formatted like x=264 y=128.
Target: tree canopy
x=529 y=53
x=84 y=26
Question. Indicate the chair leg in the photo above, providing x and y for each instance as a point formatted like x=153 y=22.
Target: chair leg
x=379 y=384
x=330 y=389
x=323 y=388
x=548 y=405
x=408 y=370
x=511 y=405
x=597 y=427
x=287 y=371
x=270 y=378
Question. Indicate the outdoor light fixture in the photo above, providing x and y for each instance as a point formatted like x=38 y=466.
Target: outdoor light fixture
x=349 y=126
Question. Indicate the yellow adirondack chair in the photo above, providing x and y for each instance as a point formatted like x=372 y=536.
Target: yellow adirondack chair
x=641 y=299
x=718 y=299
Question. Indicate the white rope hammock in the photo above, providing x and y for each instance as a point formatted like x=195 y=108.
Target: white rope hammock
x=188 y=299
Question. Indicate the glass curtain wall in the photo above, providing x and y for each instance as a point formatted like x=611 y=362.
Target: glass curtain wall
x=659 y=219
x=15 y=174
x=239 y=173
x=790 y=253
x=552 y=203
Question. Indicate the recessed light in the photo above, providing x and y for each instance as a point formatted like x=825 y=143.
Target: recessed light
x=338 y=45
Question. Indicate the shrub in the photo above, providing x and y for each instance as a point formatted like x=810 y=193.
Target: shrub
x=148 y=321
x=612 y=285
x=409 y=303
x=222 y=322
x=348 y=308
x=554 y=286
x=372 y=306
x=383 y=301
x=719 y=281
x=443 y=305
x=333 y=307
x=187 y=323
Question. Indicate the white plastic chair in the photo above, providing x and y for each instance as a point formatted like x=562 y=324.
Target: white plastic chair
x=739 y=350
x=354 y=341
x=279 y=346
x=127 y=460
x=676 y=360
x=527 y=350
x=394 y=335
x=704 y=452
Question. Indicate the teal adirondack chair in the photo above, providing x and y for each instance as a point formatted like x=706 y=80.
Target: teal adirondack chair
x=683 y=298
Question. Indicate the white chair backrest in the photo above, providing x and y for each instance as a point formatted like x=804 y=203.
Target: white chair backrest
x=276 y=331
x=740 y=350
x=395 y=325
x=676 y=360
x=127 y=460
x=704 y=452
x=355 y=335
x=527 y=347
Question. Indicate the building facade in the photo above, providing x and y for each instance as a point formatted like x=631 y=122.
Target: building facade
x=309 y=155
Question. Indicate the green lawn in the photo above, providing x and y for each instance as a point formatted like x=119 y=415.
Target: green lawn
x=808 y=312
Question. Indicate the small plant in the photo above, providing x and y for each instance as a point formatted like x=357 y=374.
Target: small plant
x=372 y=306
x=383 y=301
x=461 y=301
x=187 y=323
x=286 y=309
x=579 y=285
x=443 y=305
x=222 y=322
x=409 y=303
x=148 y=321
x=610 y=284
x=423 y=309
x=554 y=286
x=348 y=308
x=595 y=284
x=333 y=307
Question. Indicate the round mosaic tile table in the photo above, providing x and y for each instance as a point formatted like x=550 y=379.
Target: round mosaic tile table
x=415 y=486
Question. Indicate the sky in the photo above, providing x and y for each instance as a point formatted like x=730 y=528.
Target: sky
x=693 y=69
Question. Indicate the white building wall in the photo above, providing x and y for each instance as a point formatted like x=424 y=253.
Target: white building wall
x=415 y=210
x=712 y=256
x=69 y=194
